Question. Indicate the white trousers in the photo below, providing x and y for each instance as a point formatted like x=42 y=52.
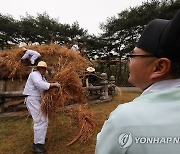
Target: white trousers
x=33 y=58
x=40 y=121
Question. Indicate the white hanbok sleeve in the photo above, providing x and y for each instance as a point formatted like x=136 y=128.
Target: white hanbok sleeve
x=25 y=56
x=39 y=83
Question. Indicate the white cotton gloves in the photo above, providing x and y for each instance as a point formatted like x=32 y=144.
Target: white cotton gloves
x=56 y=84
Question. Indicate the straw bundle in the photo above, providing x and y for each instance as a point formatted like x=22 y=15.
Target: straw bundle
x=71 y=90
x=86 y=123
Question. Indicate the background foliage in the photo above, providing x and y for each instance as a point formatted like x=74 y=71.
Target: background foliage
x=120 y=33
x=119 y=36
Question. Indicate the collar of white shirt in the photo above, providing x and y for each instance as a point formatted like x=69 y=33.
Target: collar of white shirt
x=162 y=85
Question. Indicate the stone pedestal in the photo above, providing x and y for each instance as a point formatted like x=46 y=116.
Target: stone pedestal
x=104 y=84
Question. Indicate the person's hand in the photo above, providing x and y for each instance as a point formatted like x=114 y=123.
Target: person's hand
x=56 y=84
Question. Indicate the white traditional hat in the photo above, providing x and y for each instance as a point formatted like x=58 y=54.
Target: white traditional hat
x=90 y=69
x=42 y=64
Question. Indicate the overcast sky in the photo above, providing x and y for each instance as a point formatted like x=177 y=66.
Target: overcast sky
x=88 y=13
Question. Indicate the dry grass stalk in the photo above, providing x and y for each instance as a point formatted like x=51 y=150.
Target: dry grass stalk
x=86 y=122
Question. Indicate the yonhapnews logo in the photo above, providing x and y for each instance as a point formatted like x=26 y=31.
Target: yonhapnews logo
x=125 y=140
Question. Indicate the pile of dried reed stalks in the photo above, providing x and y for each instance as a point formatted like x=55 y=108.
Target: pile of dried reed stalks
x=10 y=64
x=71 y=91
x=56 y=56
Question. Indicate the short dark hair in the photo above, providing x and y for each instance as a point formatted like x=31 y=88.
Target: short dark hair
x=175 y=69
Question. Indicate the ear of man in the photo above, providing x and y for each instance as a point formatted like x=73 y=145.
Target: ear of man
x=161 y=69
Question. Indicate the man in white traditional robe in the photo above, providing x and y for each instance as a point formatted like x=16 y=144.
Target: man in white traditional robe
x=150 y=124
x=34 y=88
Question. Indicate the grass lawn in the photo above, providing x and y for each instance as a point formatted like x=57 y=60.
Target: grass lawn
x=16 y=135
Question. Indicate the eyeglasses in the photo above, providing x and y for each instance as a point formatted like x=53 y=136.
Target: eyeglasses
x=131 y=56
